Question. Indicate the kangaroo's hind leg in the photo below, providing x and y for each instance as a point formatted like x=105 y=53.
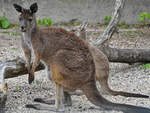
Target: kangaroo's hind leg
x=59 y=102
x=67 y=100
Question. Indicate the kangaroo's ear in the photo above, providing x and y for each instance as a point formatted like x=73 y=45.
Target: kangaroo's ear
x=18 y=8
x=34 y=8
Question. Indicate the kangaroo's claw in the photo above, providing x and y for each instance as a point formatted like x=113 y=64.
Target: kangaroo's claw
x=30 y=79
x=35 y=106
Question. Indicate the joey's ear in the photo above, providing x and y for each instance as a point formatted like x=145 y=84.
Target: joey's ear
x=18 y=8
x=34 y=8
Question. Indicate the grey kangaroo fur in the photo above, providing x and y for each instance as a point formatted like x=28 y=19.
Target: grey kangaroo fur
x=71 y=62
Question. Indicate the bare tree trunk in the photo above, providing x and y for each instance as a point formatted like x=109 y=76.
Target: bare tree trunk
x=112 y=26
x=126 y=55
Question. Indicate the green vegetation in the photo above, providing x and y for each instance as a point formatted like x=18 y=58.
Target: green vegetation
x=37 y=82
x=5 y=32
x=144 y=17
x=124 y=25
x=15 y=34
x=17 y=88
x=145 y=66
x=132 y=34
x=44 y=21
x=11 y=33
x=4 y=22
x=14 y=48
x=107 y=19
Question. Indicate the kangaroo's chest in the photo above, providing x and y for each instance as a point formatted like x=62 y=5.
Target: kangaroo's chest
x=26 y=39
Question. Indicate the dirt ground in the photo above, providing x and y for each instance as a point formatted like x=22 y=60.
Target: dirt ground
x=123 y=77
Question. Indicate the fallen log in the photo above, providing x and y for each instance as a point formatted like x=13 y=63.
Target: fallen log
x=16 y=67
x=129 y=56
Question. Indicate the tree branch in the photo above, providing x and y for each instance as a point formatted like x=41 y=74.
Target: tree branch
x=111 y=28
x=14 y=68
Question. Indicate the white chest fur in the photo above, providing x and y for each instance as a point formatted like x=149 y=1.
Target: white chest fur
x=27 y=41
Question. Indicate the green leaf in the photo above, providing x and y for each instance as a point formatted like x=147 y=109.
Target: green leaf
x=49 y=21
x=5 y=23
x=44 y=21
x=148 y=16
x=107 y=19
x=145 y=67
x=141 y=19
x=39 y=22
x=145 y=13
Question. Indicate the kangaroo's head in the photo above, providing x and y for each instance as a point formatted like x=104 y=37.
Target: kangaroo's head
x=27 y=17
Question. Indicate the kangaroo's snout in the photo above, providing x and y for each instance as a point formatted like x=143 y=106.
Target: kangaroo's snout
x=23 y=28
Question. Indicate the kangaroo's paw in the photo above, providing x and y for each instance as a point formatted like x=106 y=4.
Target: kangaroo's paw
x=45 y=101
x=67 y=101
x=33 y=106
x=30 y=78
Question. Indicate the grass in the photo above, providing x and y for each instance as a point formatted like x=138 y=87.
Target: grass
x=5 y=32
x=11 y=33
x=145 y=66
x=13 y=25
x=132 y=34
x=14 y=48
x=124 y=25
x=17 y=88
x=37 y=82
x=15 y=33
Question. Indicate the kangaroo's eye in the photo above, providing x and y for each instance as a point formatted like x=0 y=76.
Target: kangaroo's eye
x=30 y=19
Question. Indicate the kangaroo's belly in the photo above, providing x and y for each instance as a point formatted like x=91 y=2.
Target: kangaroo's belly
x=65 y=80
x=71 y=69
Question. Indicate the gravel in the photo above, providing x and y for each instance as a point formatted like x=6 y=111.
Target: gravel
x=122 y=76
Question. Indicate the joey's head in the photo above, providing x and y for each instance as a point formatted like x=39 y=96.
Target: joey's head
x=27 y=17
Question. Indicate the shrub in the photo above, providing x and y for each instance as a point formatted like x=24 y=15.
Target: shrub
x=4 y=22
x=44 y=21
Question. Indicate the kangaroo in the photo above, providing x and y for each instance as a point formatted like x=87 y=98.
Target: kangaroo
x=70 y=60
x=101 y=62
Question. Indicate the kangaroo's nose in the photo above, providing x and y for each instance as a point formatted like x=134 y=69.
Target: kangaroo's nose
x=23 y=29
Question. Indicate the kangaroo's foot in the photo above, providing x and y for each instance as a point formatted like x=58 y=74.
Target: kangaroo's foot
x=45 y=101
x=67 y=101
x=44 y=107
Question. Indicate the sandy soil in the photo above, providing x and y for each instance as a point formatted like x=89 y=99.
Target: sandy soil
x=122 y=76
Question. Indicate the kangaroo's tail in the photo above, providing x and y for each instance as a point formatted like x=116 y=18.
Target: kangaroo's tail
x=105 y=87
x=93 y=95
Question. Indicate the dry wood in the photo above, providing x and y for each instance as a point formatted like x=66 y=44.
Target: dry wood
x=14 y=68
x=112 y=27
